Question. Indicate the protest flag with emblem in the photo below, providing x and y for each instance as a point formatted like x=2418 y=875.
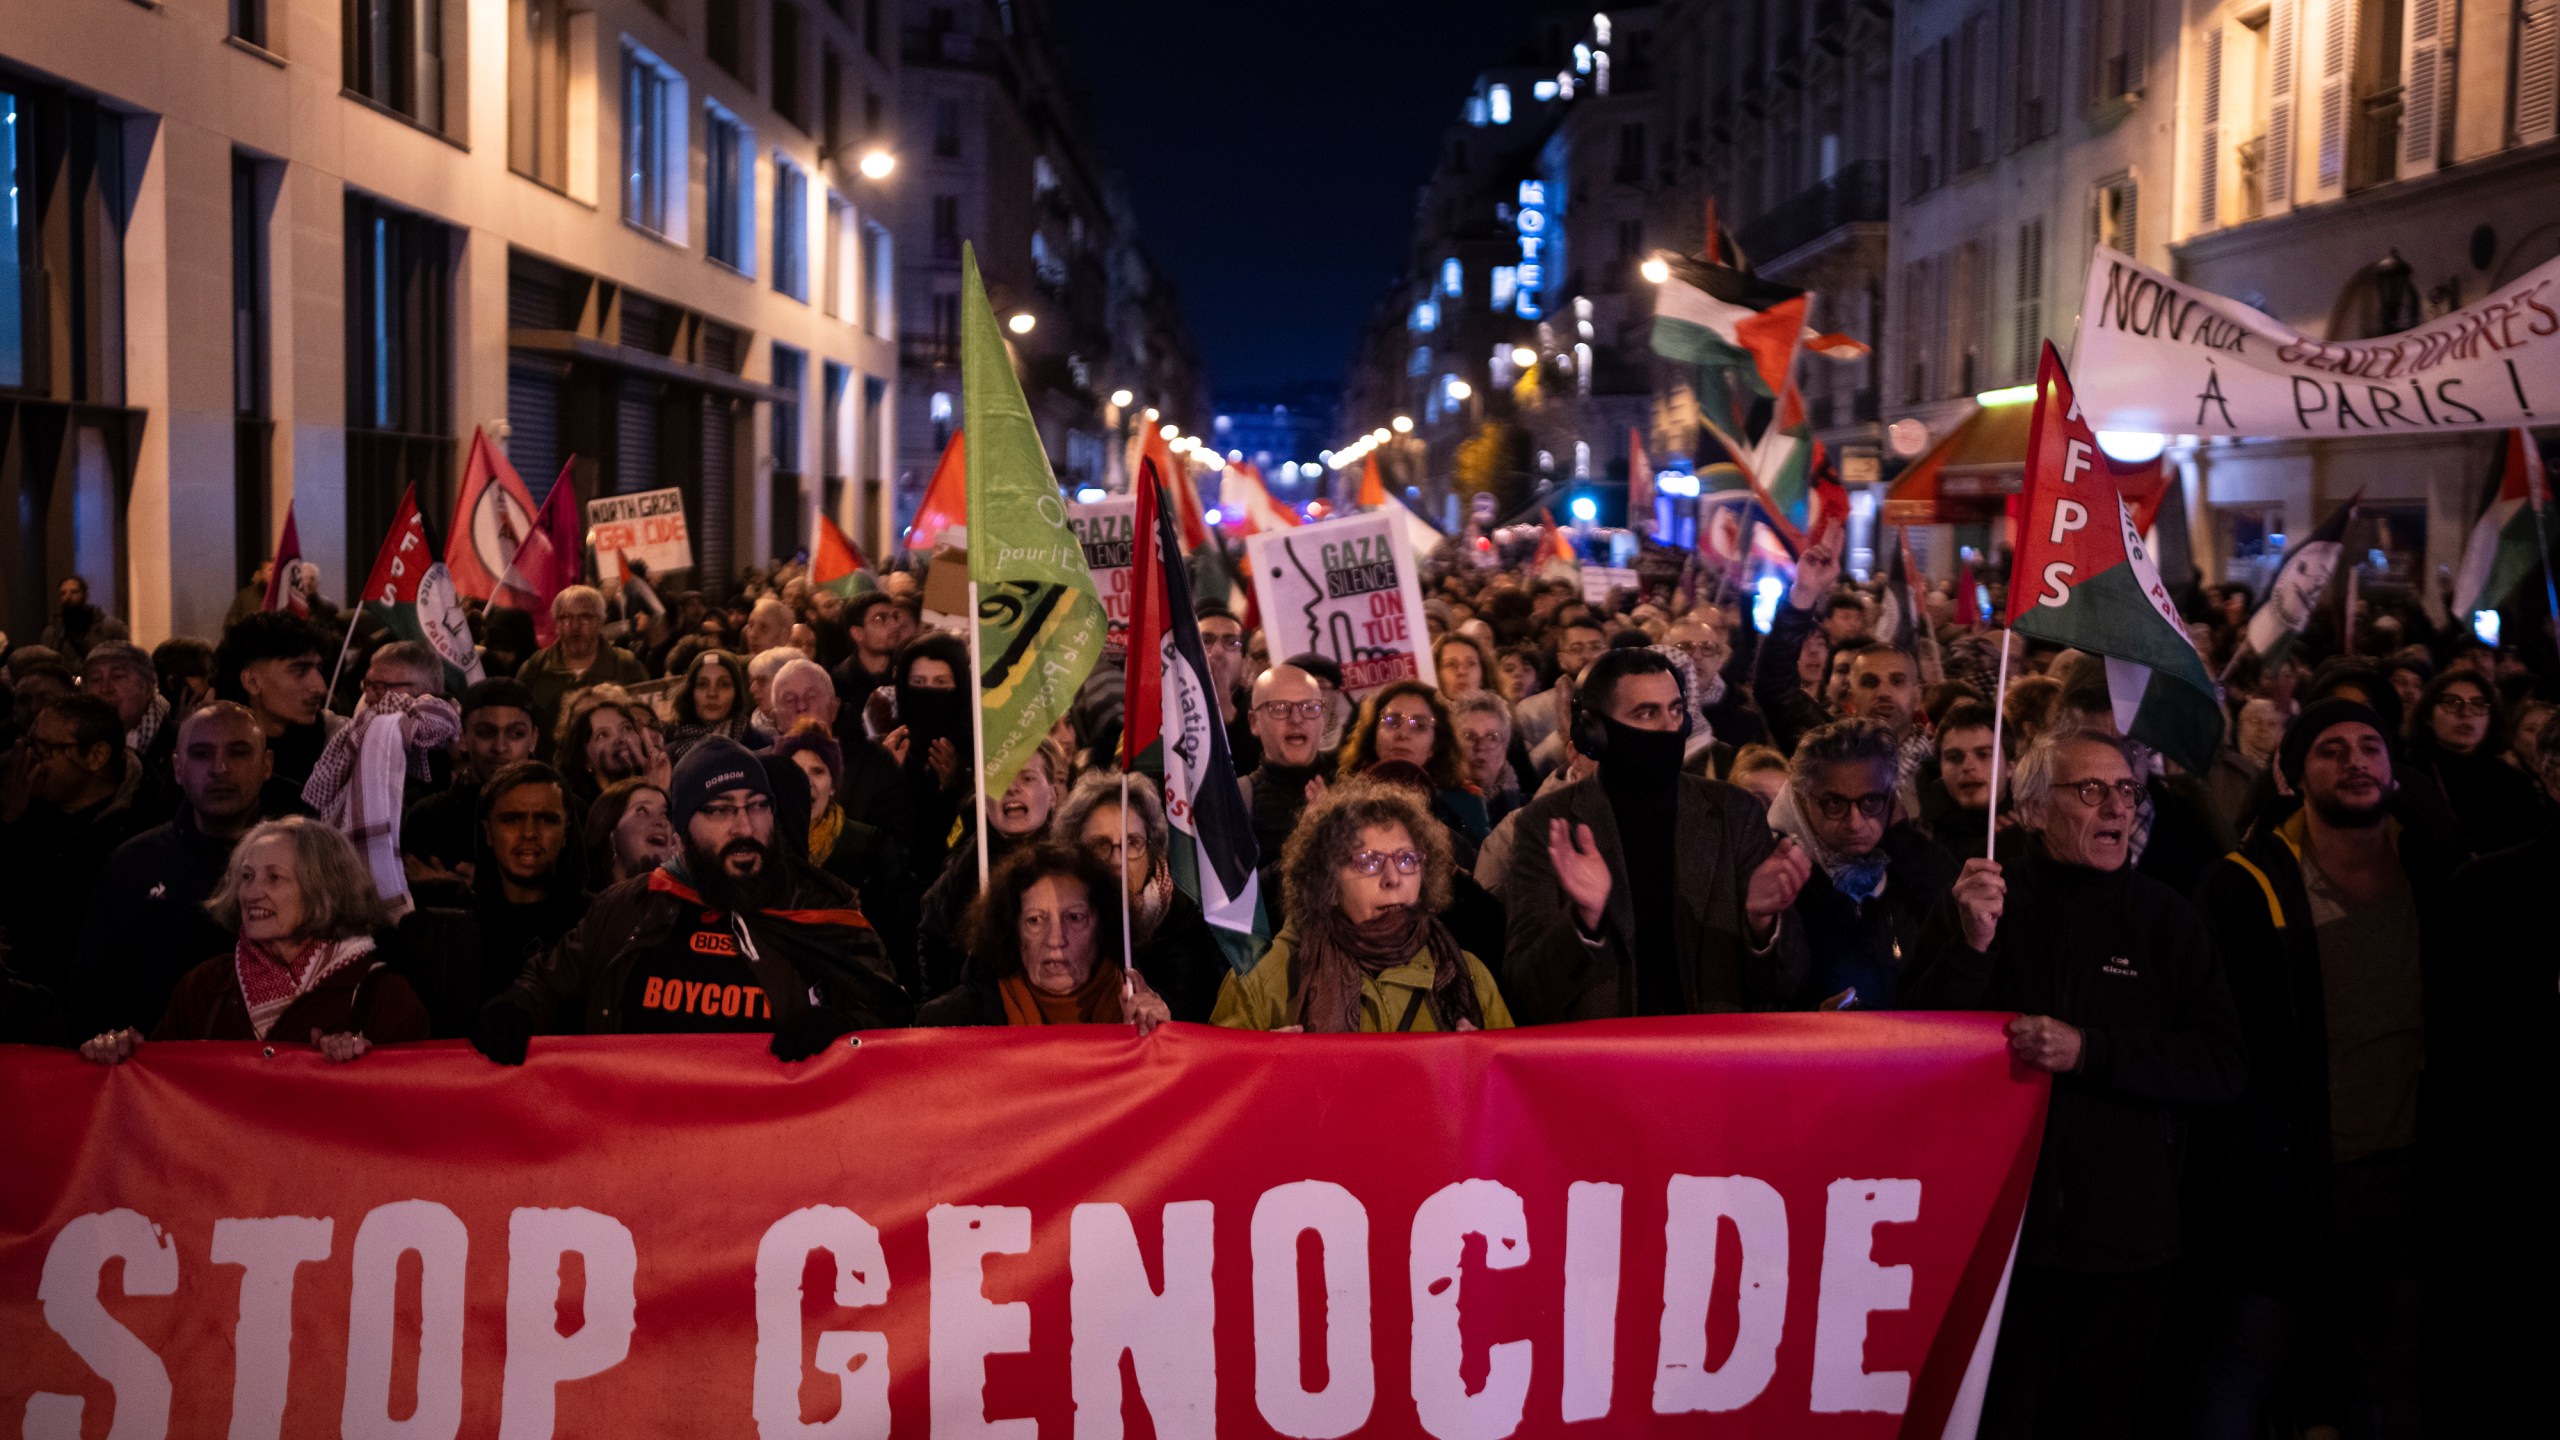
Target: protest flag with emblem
x=411 y=593
x=946 y=498
x=837 y=563
x=2293 y=597
x=2508 y=540
x=551 y=559
x=2084 y=579
x=1038 y=627
x=492 y=515
x=282 y=593
x=1172 y=730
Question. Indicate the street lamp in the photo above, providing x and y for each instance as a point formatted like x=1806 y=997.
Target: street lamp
x=1403 y=424
x=1379 y=434
x=1022 y=322
x=1153 y=414
x=1170 y=429
x=876 y=164
x=1655 y=269
x=1459 y=390
x=1121 y=398
x=1523 y=357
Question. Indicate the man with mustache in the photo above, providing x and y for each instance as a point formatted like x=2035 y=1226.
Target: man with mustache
x=736 y=934
x=2316 y=1232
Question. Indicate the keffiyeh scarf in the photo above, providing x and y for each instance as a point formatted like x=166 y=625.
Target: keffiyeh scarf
x=269 y=985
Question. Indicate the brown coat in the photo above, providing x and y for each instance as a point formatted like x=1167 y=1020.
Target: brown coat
x=362 y=995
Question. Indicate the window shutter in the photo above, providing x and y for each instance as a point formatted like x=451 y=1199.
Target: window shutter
x=2209 y=164
x=2026 y=324
x=2136 y=40
x=2538 y=71
x=2337 y=50
x=2278 y=163
x=2423 y=80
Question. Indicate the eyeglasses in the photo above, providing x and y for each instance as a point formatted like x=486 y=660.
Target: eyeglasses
x=376 y=689
x=1290 y=709
x=2094 y=793
x=1106 y=849
x=724 y=811
x=1223 y=642
x=2458 y=705
x=1874 y=807
x=1373 y=862
x=1418 y=724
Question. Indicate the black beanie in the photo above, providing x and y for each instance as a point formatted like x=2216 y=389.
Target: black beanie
x=713 y=766
x=2316 y=718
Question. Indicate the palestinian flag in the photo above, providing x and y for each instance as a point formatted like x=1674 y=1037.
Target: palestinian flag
x=946 y=498
x=2294 y=595
x=2506 y=542
x=1740 y=331
x=2084 y=579
x=412 y=594
x=838 y=564
x=1902 y=623
x=1173 y=731
x=282 y=593
x=1248 y=501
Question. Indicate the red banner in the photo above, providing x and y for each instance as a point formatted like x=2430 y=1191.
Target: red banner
x=1796 y=1224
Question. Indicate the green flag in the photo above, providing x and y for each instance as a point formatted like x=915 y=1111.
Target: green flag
x=1040 y=626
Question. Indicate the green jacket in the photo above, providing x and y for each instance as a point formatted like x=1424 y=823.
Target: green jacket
x=1259 y=999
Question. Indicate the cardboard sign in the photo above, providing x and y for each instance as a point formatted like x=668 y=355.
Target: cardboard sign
x=648 y=527
x=1106 y=530
x=1599 y=581
x=1348 y=589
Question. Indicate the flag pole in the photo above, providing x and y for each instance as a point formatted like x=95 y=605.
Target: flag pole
x=1999 y=712
x=1128 y=945
x=354 y=612
x=977 y=734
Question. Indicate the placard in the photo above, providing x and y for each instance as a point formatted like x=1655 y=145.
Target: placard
x=1106 y=530
x=1348 y=589
x=648 y=526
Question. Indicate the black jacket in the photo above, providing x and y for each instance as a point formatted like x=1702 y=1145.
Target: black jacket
x=1783 y=703
x=2265 y=1198
x=578 y=986
x=1551 y=973
x=2126 y=960
x=1183 y=961
x=147 y=926
x=1869 y=946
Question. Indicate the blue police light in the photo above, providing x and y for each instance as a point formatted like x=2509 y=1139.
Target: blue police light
x=1764 y=602
x=1584 y=509
x=2484 y=623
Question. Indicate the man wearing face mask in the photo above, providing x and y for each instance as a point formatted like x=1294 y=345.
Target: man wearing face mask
x=2121 y=999
x=736 y=934
x=1641 y=890
x=2317 y=1235
x=1875 y=877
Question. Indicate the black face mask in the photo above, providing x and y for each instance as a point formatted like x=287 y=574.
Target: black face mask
x=1641 y=757
x=931 y=715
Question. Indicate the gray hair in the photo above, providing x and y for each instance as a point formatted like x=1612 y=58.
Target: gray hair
x=1843 y=742
x=1099 y=789
x=1485 y=702
x=2031 y=783
x=577 y=597
x=769 y=663
x=338 y=899
x=411 y=654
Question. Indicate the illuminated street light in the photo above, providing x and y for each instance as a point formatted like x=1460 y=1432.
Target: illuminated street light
x=1170 y=429
x=876 y=164
x=1403 y=424
x=1523 y=357
x=1153 y=414
x=1022 y=322
x=1121 y=398
x=1655 y=269
x=1379 y=434
x=1460 y=389
x=1584 y=509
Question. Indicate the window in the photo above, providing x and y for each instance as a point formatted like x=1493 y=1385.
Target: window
x=791 y=379
x=1506 y=286
x=872 y=111
x=2114 y=218
x=946 y=325
x=1977 y=56
x=1631 y=150
x=1966 y=312
x=653 y=144
x=399 y=368
x=946 y=227
x=14 y=140
x=249 y=22
x=729 y=183
x=2536 y=86
x=395 y=56
x=724 y=38
x=1420 y=363
x=871 y=27
x=938 y=410
x=879 y=301
x=2121 y=36
x=2035 y=62
x=1426 y=317
x=830 y=102
x=1921 y=125
x=1599 y=29
x=837 y=279
x=1917 y=296
x=790 y=92
x=538 y=90
x=836 y=382
x=790 y=228
x=2026 y=318
x=1453 y=278
x=253 y=432
x=1498 y=104
x=946 y=129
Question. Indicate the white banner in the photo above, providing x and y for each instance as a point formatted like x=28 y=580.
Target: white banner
x=1107 y=529
x=648 y=526
x=2163 y=357
x=1348 y=589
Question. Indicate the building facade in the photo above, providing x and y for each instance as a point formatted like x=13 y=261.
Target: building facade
x=295 y=253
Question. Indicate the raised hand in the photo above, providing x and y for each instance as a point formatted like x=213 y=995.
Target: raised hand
x=895 y=742
x=1818 y=568
x=1581 y=872
x=1980 y=894
x=1774 y=883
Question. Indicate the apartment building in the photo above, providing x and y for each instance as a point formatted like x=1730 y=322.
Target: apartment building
x=274 y=252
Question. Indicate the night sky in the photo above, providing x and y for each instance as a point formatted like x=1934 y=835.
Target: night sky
x=1273 y=152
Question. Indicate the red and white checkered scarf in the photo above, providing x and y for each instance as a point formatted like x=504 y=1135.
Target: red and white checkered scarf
x=269 y=985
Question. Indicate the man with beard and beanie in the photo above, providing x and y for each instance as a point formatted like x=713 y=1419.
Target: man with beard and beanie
x=1643 y=890
x=736 y=934
x=2121 y=1000
x=2315 y=1211
x=1875 y=877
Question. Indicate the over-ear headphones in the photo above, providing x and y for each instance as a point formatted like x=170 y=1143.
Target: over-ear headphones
x=1590 y=734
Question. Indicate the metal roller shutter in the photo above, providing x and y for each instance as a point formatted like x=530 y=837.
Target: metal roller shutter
x=534 y=389
x=635 y=436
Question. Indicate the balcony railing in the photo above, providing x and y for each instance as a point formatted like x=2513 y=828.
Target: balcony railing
x=1858 y=194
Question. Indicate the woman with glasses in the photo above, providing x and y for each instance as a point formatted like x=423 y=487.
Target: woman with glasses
x=1364 y=950
x=1044 y=949
x=1875 y=876
x=1409 y=722
x=1172 y=943
x=2455 y=734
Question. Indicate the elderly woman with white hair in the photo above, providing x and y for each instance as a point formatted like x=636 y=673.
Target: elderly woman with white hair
x=303 y=968
x=2119 y=997
x=1170 y=939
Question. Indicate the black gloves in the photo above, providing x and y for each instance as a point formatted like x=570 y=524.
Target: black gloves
x=503 y=1032
x=807 y=1033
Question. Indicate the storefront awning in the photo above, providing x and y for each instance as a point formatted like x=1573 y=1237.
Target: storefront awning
x=1968 y=476
x=571 y=345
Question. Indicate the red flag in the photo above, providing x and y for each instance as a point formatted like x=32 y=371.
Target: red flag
x=491 y=518
x=1249 y=502
x=282 y=593
x=1142 y=698
x=946 y=499
x=1176 y=477
x=551 y=559
x=837 y=562
x=1373 y=486
x=1968 y=596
